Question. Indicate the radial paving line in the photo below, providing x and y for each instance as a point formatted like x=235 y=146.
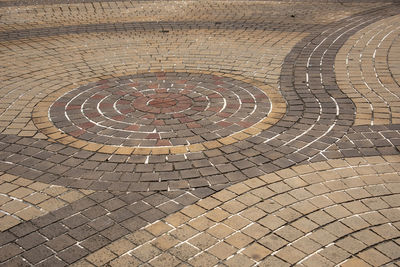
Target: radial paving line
x=221 y=138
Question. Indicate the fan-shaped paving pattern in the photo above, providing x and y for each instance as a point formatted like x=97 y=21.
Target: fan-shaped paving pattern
x=314 y=215
x=109 y=108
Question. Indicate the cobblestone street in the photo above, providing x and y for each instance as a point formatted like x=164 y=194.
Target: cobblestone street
x=200 y=133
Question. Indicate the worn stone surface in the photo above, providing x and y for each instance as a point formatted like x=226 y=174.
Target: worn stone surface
x=199 y=133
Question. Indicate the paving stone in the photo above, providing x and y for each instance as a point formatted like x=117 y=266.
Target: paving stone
x=239 y=259
x=290 y=254
x=8 y=251
x=52 y=261
x=221 y=250
x=203 y=259
x=256 y=252
x=293 y=124
x=31 y=240
x=61 y=242
x=146 y=252
x=316 y=259
x=95 y=242
x=101 y=256
x=184 y=251
x=389 y=249
x=374 y=257
x=203 y=241
x=72 y=254
x=37 y=254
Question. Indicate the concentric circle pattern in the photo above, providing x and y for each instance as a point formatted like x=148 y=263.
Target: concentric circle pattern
x=163 y=109
x=199 y=133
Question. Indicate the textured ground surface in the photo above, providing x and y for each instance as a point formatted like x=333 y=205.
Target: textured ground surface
x=199 y=133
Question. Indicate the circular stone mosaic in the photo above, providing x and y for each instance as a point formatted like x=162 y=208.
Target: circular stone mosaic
x=159 y=109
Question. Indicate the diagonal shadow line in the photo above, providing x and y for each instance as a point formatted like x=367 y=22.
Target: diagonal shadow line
x=165 y=27
x=57 y=2
x=162 y=27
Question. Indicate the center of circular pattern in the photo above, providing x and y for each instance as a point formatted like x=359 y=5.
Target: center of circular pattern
x=162 y=102
x=159 y=109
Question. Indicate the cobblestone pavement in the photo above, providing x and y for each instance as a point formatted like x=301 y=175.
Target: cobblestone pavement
x=199 y=133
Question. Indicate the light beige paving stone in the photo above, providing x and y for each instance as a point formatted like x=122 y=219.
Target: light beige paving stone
x=201 y=223
x=290 y=254
x=203 y=241
x=255 y=231
x=184 y=251
x=334 y=254
x=273 y=261
x=237 y=222
x=158 y=228
x=193 y=211
x=367 y=237
x=220 y=231
x=146 y=252
x=239 y=260
x=165 y=259
x=373 y=257
x=386 y=231
x=217 y=215
x=7 y=222
x=233 y=206
x=355 y=262
x=239 y=240
x=256 y=252
x=184 y=232
x=389 y=249
x=306 y=245
x=253 y=213
x=139 y=237
x=317 y=260
x=273 y=242
x=177 y=219
x=101 y=257
x=120 y=246
x=165 y=242
x=203 y=259
x=125 y=260
x=222 y=250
